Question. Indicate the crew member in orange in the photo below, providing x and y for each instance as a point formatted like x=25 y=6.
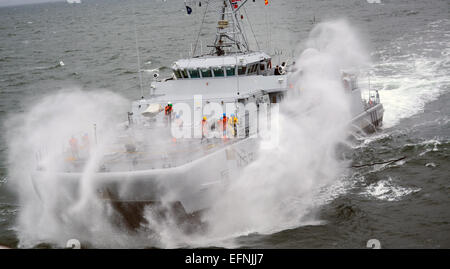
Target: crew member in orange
x=168 y=113
x=233 y=122
x=204 y=129
x=74 y=147
x=224 y=125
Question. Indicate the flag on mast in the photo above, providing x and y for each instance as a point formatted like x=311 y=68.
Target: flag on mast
x=188 y=8
x=235 y=4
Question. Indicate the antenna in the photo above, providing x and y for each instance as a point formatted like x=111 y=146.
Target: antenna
x=237 y=75
x=229 y=32
x=137 y=52
x=200 y=30
x=251 y=27
x=268 y=29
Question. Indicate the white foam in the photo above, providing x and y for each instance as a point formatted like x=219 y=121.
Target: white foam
x=408 y=81
x=387 y=190
x=364 y=141
x=430 y=145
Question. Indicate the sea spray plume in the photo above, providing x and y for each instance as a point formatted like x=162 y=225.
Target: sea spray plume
x=342 y=41
x=277 y=190
x=42 y=133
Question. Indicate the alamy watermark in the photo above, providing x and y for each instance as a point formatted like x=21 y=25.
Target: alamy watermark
x=224 y=120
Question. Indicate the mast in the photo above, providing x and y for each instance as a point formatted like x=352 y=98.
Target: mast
x=229 y=33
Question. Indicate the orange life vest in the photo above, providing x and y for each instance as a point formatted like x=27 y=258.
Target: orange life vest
x=73 y=142
x=224 y=122
x=204 y=126
x=168 y=109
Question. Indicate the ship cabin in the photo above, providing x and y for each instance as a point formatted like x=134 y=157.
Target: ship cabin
x=254 y=63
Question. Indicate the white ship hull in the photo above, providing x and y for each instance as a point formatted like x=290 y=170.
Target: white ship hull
x=195 y=184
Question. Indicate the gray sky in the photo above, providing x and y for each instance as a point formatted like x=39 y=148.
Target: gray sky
x=21 y=2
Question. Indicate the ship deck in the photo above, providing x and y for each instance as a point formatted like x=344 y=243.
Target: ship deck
x=164 y=154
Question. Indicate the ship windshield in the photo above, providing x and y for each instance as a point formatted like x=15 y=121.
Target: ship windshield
x=230 y=70
x=262 y=66
x=241 y=70
x=249 y=69
x=194 y=73
x=177 y=73
x=252 y=69
x=206 y=73
x=184 y=73
x=218 y=72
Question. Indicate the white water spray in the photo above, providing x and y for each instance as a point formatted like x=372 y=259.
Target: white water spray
x=37 y=138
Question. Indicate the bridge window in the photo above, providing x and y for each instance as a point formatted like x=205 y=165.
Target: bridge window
x=230 y=71
x=262 y=66
x=218 y=72
x=184 y=73
x=242 y=70
x=177 y=73
x=194 y=73
x=206 y=73
x=252 y=68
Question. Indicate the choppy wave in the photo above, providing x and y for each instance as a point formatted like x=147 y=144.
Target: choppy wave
x=365 y=141
x=423 y=147
x=7 y=210
x=387 y=190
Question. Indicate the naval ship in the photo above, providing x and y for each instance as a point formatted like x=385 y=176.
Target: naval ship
x=150 y=166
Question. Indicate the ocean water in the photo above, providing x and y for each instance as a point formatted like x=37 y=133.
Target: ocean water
x=404 y=204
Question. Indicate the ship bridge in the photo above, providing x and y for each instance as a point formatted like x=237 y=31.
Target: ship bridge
x=209 y=66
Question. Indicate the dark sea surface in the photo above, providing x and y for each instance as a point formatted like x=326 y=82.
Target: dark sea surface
x=405 y=204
